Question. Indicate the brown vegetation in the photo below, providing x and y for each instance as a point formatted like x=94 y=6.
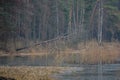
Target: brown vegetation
x=30 y=73
x=89 y=53
x=92 y=53
x=107 y=53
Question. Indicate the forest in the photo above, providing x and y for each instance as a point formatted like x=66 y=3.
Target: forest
x=59 y=39
x=30 y=22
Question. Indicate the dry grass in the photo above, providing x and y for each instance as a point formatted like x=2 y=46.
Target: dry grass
x=108 y=53
x=92 y=53
x=30 y=73
x=25 y=73
x=33 y=73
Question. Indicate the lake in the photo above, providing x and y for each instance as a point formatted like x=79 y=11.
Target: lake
x=88 y=72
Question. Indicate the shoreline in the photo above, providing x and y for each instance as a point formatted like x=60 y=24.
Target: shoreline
x=23 y=54
x=34 y=73
x=37 y=53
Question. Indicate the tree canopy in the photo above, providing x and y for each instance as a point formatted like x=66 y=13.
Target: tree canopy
x=40 y=20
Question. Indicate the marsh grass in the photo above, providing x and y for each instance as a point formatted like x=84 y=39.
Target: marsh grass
x=32 y=73
x=91 y=53
x=28 y=73
x=107 y=53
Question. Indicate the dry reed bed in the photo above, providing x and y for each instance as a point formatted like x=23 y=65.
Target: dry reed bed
x=107 y=53
x=30 y=73
x=91 y=53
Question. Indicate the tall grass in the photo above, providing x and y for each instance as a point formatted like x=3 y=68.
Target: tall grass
x=91 y=53
x=26 y=73
x=107 y=53
x=32 y=73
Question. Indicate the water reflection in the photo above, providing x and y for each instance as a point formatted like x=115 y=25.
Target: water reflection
x=25 y=61
x=89 y=75
x=90 y=72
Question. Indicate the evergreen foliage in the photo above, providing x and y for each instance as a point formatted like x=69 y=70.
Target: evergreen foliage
x=40 y=20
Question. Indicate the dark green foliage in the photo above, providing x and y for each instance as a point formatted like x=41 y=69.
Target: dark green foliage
x=36 y=20
x=112 y=19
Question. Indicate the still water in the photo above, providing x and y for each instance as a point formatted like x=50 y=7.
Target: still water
x=88 y=72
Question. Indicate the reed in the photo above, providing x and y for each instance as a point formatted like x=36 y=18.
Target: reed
x=91 y=53
x=28 y=73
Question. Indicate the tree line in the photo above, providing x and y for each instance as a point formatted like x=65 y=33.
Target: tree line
x=30 y=21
